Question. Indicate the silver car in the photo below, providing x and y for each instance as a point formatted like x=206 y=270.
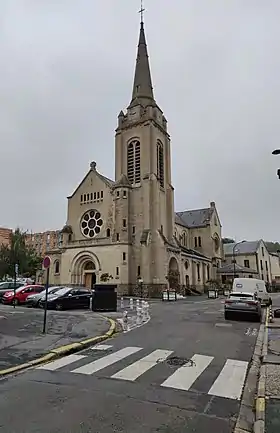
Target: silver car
x=244 y=303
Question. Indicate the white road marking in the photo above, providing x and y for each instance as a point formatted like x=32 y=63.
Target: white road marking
x=61 y=362
x=185 y=376
x=223 y=325
x=105 y=361
x=230 y=381
x=138 y=368
x=102 y=347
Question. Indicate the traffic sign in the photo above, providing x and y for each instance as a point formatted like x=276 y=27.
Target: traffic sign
x=46 y=262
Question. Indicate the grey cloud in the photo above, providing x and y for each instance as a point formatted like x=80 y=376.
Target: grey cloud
x=67 y=70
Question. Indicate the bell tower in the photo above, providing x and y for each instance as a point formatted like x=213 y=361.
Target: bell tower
x=142 y=154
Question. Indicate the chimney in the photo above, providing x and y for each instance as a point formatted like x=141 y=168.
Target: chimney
x=212 y=204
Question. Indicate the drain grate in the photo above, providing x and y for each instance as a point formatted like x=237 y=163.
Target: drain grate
x=177 y=361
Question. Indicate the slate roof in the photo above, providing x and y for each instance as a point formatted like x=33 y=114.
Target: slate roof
x=229 y=269
x=194 y=218
x=248 y=247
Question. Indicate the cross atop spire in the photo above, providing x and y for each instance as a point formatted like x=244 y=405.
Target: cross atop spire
x=141 y=12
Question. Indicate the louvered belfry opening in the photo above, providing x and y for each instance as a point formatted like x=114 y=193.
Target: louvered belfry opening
x=134 y=162
x=160 y=164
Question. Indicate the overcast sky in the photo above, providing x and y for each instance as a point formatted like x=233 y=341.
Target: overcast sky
x=67 y=69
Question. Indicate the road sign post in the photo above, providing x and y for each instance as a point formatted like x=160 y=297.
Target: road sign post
x=15 y=283
x=46 y=265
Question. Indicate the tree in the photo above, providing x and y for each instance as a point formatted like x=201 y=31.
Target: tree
x=228 y=241
x=272 y=247
x=18 y=253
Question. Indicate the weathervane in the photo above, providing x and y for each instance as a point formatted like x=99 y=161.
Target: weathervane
x=142 y=10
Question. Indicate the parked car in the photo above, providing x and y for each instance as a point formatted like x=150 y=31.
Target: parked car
x=68 y=298
x=8 y=285
x=243 y=303
x=21 y=294
x=33 y=300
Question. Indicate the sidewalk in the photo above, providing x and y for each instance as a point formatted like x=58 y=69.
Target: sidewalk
x=21 y=338
x=271 y=367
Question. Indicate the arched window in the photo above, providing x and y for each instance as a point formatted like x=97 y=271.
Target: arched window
x=108 y=233
x=56 y=267
x=160 y=164
x=133 y=162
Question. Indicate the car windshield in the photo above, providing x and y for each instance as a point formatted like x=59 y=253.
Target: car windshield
x=62 y=291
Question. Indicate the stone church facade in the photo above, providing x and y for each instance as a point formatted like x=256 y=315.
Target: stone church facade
x=125 y=231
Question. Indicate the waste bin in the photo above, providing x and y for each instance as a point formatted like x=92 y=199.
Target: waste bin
x=169 y=295
x=212 y=293
x=104 y=297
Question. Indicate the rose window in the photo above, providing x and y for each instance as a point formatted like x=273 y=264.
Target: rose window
x=91 y=223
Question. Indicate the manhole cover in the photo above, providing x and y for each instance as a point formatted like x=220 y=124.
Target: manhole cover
x=176 y=361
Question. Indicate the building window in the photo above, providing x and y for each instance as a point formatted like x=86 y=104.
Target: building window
x=262 y=277
x=134 y=162
x=87 y=197
x=198 y=271
x=48 y=237
x=101 y=194
x=70 y=237
x=263 y=251
x=118 y=193
x=82 y=198
x=195 y=242
x=98 y=195
x=118 y=236
x=160 y=164
x=108 y=233
x=208 y=273
x=91 y=196
x=199 y=241
x=117 y=271
x=124 y=257
x=124 y=223
x=94 y=195
x=133 y=230
x=246 y=264
x=124 y=193
x=261 y=263
x=266 y=266
x=56 y=267
x=138 y=271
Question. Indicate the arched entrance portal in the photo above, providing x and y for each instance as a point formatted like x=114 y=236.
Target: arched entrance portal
x=173 y=274
x=89 y=274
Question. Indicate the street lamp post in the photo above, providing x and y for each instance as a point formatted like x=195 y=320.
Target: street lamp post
x=234 y=250
x=277 y=152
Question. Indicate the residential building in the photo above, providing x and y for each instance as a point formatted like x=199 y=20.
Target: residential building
x=44 y=241
x=5 y=235
x=275 y=267
x=252 y=259
x=126 y=229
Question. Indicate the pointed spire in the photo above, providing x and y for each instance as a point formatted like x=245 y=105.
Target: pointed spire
x=142 y=92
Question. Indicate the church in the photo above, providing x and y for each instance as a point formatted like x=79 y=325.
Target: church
x=125 y=231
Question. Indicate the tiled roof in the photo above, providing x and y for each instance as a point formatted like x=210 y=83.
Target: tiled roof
x=194 y=218
x=231 y=269
x=248 y=247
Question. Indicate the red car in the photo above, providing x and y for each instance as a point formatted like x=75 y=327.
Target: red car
x=21 y=294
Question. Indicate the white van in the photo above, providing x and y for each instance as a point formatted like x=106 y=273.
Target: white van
x=252 y=285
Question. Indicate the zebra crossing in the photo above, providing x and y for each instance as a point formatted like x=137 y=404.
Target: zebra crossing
x=227 y=383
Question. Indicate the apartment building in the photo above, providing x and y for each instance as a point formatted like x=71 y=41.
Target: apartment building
x=5 y=236
x=44 y=241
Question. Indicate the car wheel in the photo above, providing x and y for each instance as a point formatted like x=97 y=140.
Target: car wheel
x=58 y=307
x=16 y=302
x=227 y=315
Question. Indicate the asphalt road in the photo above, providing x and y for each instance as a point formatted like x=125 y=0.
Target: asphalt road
x=182 y=372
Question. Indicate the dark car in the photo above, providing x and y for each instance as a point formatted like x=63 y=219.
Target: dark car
x=68 y=298
x=33 y=300
x=8 y=286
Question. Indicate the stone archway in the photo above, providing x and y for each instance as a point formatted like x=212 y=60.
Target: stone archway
x=173 y=274
x=84 y=269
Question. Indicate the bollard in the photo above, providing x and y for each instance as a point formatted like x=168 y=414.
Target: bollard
x=131 y=303
x=145 y=318
x=125 y=321
x=137 y=303
x=121 y=302
x=143 y=303
x=138 y=316
x=271 y=316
